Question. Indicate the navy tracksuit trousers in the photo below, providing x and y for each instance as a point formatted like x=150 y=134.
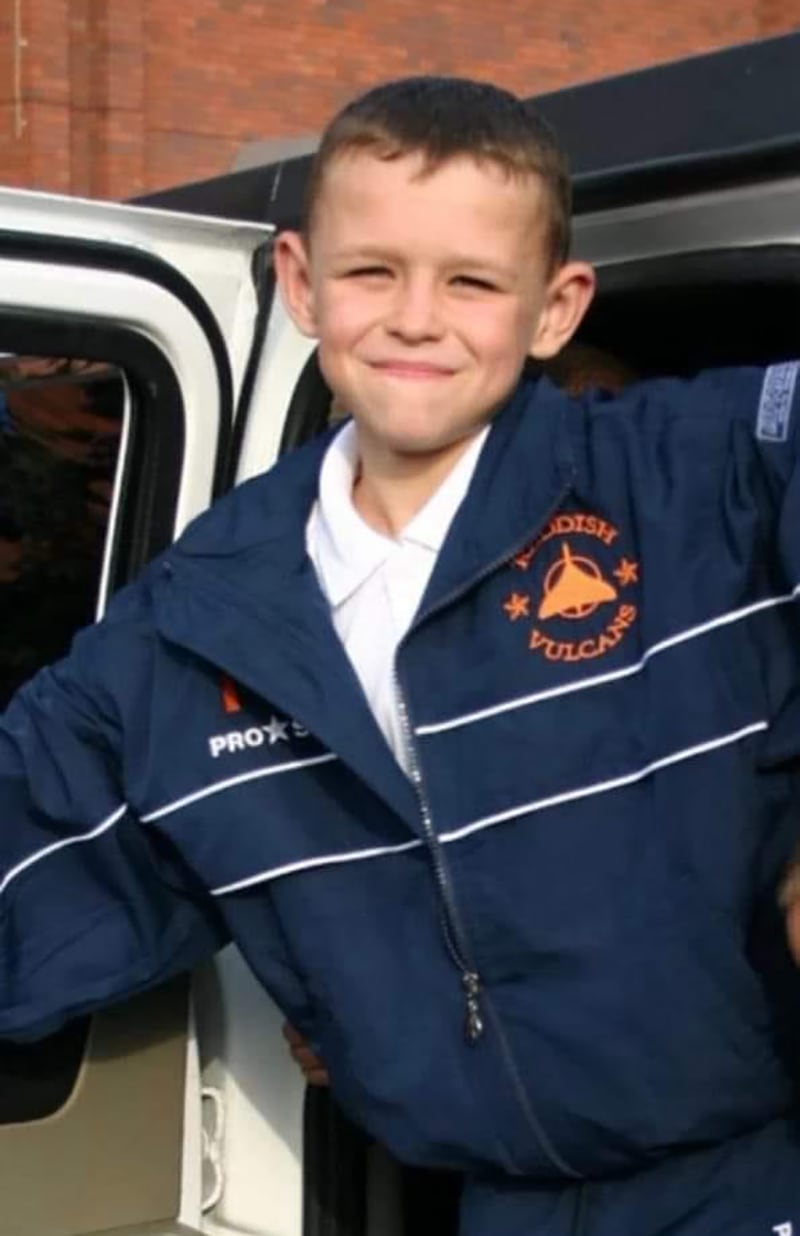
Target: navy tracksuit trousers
x=748 y=1186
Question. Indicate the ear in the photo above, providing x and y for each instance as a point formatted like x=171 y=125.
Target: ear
x=567 y=298
x=293 y=273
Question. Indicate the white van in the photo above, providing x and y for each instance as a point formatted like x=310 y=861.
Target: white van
x=145 y=366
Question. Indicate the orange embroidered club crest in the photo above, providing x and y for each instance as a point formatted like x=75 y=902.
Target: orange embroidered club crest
x=582 y=583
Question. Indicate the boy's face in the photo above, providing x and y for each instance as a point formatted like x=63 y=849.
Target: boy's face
x=426 y=294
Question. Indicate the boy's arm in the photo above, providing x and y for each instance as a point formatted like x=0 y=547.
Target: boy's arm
x=93 y=907
x=776 y=427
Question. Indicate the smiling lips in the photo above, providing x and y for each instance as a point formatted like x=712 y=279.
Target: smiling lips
x=412 y=369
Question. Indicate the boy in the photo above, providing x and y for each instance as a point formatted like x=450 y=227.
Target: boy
x=473 y=724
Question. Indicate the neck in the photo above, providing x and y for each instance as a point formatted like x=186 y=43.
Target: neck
x=391 y=488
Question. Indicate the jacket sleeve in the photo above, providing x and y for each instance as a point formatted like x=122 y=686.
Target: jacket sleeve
x=773 y=411
x=92 y=907
x=775 y=425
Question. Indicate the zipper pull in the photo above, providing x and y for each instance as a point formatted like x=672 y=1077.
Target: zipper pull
x=473 y=1027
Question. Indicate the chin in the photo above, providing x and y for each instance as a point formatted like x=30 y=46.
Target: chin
x=424 y=442
x=416 y=426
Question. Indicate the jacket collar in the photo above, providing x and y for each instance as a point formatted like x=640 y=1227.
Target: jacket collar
x=239 y=590
x=525 y=470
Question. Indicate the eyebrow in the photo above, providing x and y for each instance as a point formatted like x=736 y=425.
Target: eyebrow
x=361 y=251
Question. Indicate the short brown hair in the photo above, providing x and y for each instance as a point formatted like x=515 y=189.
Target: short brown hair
x=443 y=118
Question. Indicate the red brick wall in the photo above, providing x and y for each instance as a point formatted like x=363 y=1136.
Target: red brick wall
x=120 y=96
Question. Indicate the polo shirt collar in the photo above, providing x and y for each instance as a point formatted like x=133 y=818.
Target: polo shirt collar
x=349 y=551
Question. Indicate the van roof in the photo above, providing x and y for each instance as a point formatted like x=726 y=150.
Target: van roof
x=723 y=118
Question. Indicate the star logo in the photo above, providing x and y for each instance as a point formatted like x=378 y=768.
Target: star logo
x=627 y=572
x=518 y=606
x=276 y=731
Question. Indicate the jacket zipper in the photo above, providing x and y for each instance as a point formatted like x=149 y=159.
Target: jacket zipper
x=470 y=979
x=453 y=932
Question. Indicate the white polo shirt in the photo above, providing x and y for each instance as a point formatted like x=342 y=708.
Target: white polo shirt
x=374 y=583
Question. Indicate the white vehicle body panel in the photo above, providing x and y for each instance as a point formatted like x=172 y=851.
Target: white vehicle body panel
x=244 y=1058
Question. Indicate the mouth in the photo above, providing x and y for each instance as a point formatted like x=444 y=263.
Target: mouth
x=412 y=370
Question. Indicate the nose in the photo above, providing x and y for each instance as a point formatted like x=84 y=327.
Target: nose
x=415 y=313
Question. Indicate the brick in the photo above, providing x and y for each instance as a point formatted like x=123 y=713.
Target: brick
x=124 y=95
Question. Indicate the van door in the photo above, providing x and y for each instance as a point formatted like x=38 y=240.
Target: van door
x=124 y=342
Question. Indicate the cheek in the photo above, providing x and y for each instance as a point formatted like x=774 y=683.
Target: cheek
x=341 y=332
x=502 y=338
x=343 y=319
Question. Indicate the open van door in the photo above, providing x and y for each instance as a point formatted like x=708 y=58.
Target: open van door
x=125 y=339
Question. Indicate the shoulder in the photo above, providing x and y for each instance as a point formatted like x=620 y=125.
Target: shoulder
x=270 y=504
x=700 y=438
x=763 y=397
x=751 y=410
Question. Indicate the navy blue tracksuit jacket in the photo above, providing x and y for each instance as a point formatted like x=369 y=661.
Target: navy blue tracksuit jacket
x=551 y=959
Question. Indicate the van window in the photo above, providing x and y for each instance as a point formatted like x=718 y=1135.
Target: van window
x=60 y=426
x=61 y=422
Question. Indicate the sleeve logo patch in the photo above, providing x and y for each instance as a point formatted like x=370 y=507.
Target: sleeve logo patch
x=576 y=599
x=775 y=404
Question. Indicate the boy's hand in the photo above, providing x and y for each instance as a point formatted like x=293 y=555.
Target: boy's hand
x=789 y=897
x=312 y=1067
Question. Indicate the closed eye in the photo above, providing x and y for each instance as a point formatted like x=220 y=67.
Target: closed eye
x=474 y=281
x=360 y=272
